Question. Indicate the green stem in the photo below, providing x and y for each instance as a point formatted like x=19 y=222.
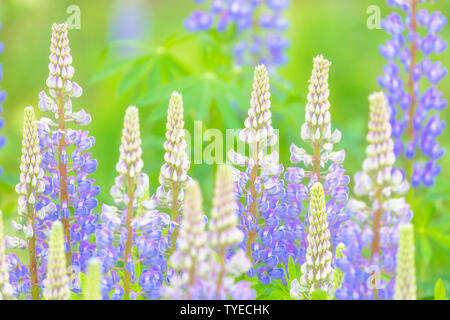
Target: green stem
x=375 y=245
x=174 y=209
x=254 y=204
x=221 y=271
x=62 y=169
x=129 y=243
x=34 y=282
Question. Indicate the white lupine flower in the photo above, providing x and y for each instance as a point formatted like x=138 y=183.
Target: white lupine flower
x=192 y=239
x=380 y=151
x=317 y=273
x=258 y=125
x=238 y=264
x=316 y=130
x=405 y=277
x=31 y=183
x=173 y=174
x=130 y=162
x=224 y=220
x=56 y=282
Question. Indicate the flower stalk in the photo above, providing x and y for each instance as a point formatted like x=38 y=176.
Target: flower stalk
x=29 y=188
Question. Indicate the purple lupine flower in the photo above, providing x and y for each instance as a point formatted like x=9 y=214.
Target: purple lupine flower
x=123 y=231
x=371 y=235
x=201 y=268
x=260 y=25
x=2 y=99
x=410 y=79
x=323 y=165
x=65 y=160
x=259 y=189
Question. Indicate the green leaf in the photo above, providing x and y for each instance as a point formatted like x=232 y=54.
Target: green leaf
x=112 y=69
x=158 y=113
x=162 y=93
x=319 y=295
x=439 y=290
x=440 y=237
x=291 y=269
x=134 y=75
x=365 y=253
x=425 y=249
x=229 y=115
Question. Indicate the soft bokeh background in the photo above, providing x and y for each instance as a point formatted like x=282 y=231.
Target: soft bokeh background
x=335 y=28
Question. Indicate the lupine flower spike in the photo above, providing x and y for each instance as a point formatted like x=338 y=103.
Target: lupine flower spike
x=410 y=79
x=223 y=231
x=322 y=165
x=260 y=26
x=405 y=275
x=91 y=290
x=192 y=250
x=122 y=229
x=173 y=175
x=57 y=282
x=205 y=270
x=258 y=134
x=259 y=187
x=317 y=273
x=67 y=173
x=30 y=188
x=6 y=290
x=374 y=221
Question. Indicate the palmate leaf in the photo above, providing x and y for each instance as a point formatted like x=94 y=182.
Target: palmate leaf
x=135 y=74
x=153 y=64
x=200 y=93
x=113 y=68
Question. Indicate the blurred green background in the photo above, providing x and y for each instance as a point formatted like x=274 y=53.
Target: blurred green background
x=335 y=28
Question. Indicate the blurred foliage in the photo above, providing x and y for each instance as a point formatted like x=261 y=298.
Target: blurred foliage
x=117 y=73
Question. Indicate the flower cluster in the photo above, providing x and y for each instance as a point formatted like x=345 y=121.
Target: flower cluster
x=317 y=273
x=405 y=274
x=259 y=188
x=410 y=79
x=56 y=284
x=260 y=25
x=207 y=269
x=64 y=158
x=2 y=99
x=173 y=175
x=323 y=165
x=371 y=236
x=30 y=188
x=125 y=236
